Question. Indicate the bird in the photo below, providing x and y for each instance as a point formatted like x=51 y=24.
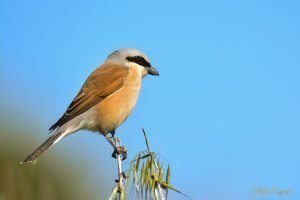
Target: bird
x=105 y=100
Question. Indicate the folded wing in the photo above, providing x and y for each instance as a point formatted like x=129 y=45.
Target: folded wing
x=104 y=81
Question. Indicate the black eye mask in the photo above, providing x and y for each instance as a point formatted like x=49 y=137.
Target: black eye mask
x=138 y=60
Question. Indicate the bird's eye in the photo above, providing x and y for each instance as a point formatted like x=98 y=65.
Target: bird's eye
x=138 y=60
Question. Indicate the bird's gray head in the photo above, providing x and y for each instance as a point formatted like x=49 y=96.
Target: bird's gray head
x=129 y=56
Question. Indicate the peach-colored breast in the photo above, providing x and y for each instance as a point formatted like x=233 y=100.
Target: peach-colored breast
x=114 y=109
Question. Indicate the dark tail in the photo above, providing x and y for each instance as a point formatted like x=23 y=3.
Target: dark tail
x=46 y=145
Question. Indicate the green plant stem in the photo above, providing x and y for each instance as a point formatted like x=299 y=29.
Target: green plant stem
x=161 y=193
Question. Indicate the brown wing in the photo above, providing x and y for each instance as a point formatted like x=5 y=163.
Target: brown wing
x=104 y=81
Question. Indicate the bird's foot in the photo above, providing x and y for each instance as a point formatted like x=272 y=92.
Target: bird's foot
x=112 y=133
x=120 y=150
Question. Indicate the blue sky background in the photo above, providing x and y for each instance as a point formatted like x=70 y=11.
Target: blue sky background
x=225 y=111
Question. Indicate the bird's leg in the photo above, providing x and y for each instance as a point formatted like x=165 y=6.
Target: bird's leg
x=117 y=149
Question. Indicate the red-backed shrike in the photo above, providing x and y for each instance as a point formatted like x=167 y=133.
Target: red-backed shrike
x=105 y=100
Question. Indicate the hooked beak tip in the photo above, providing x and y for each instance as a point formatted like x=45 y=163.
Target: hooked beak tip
x=152 y=71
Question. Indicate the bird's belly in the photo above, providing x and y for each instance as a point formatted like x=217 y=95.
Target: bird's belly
x=114 y=110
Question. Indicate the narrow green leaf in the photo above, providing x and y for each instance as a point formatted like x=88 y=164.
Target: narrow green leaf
x=147 y=185
x=145 y=156
x=170 y=187
x=146 y=180
x=138 y=163
x=161 y=171
x=135 y=178
x=142 y=174
x=156 y=194
x=151 y=165
x=152 y=184
x=168 y=176
x=147 y=165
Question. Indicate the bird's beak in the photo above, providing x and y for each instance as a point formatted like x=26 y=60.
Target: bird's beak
x=151 y=70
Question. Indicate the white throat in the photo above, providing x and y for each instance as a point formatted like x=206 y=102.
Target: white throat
x=140 y=69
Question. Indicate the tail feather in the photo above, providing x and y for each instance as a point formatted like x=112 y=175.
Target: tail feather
x=42 y=148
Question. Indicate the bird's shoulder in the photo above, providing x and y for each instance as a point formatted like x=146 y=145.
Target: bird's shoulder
x=105 y=78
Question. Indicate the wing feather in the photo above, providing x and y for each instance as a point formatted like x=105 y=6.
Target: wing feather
x=104 y=81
